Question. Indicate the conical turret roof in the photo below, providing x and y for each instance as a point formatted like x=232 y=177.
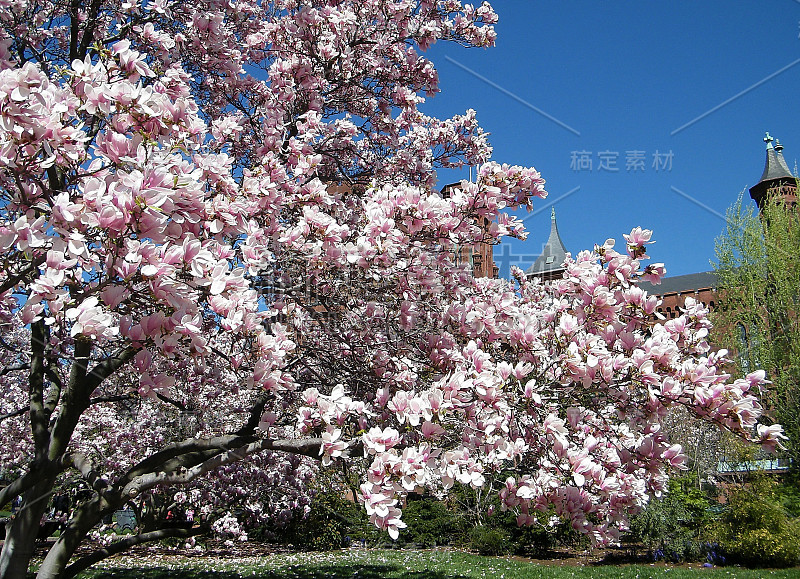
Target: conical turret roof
x=553 y=254
x=776 y=172
x=775 y=167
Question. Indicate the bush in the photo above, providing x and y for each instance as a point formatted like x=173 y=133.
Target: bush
x=430 y=523
x=672 y=527
x=756 y=530
x=536 y=540
x=490 y=541
x=326 y=525
x=788 y=495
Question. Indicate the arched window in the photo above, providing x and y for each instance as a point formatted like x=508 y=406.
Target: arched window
x=744 y=352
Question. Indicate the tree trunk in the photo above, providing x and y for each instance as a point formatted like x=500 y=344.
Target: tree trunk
x=22 y=531
x=85 y=517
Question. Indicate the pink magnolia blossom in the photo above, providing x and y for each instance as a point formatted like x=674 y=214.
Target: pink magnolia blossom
x=193 y=250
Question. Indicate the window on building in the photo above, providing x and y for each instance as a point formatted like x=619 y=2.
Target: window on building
x=744 y=354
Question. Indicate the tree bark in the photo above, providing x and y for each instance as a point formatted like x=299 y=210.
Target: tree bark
x=85 y=517
x=23 y=529
x=120 y=546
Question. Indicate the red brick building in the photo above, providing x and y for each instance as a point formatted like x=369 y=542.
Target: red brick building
x=479 y=256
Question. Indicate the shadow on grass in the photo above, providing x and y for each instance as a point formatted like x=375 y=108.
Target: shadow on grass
x=289 y=572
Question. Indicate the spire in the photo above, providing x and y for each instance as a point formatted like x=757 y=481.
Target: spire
x=775 y=166
x=776 y=173
x=549 y=264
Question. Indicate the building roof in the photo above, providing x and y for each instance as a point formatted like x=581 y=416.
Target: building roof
x=682 y=283
x=775 y=166
x=553 y=254
x=776 y=172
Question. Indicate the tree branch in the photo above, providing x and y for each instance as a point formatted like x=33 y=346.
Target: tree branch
x=84 y=466
x=255 y=415
x=116 y=398
x=15 y=368
x=12 y=281
x=19 y=412
x=176 y=449
x=38 y=471
x=308 y=447
x=81 y=384
x=177 y=403
x=38 y=418
x=120 y=546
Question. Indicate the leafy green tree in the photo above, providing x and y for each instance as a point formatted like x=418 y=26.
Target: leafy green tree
x=758 y=263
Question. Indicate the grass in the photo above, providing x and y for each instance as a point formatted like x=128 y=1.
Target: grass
x=395 y=565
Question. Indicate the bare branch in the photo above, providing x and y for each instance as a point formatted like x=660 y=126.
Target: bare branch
x=125 y=544
x=116 y=398
x=19 y=412
x=177 y=403
x=308 y=447
x=12 y=281
x=15 y=368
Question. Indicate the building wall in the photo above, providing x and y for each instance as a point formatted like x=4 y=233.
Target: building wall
x=673 y=301
x=478 y=256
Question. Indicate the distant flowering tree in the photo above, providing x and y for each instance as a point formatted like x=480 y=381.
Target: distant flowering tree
x=227 y=208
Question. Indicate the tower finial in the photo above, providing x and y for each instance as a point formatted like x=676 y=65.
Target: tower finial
x=553 y=213
x=768 y=140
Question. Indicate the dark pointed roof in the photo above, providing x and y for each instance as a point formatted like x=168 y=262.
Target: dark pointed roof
x=776 y=171
x=775 y=167
x=553 y=254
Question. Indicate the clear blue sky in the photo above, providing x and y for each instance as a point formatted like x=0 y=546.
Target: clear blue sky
x=631 y=76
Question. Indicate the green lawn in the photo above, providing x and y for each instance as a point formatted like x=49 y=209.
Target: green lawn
x=394 y=565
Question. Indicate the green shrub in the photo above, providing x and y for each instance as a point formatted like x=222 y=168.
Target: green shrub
x=430 y=523
x=534 y=540
x=672 y=527
x=327 y=524
x=788 y=495
x=756 y=530
x=490 y=541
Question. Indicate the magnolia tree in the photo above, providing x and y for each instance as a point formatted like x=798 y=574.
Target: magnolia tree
x=270 y=488
x=243 y=192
